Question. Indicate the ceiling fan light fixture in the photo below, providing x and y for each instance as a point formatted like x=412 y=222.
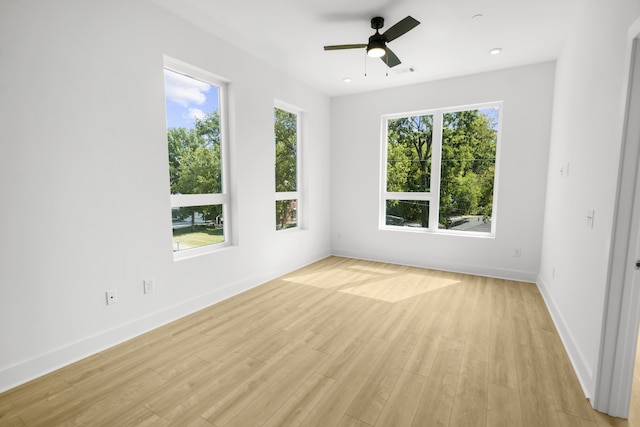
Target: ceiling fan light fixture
x=376 y=52
x=376 y=49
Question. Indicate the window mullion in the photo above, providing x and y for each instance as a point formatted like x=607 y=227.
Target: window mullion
x=408 y=196
x=383 y=172
x=436 y=158
x=287 y=195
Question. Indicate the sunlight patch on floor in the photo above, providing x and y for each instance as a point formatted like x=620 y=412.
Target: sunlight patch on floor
x=331 y=281
x=399 y=288
x=377 y=270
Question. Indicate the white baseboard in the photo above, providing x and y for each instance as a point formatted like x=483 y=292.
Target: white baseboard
x=577 y=359
x=476 y=270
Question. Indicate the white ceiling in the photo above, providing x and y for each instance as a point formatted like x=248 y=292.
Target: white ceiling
x=290 y=34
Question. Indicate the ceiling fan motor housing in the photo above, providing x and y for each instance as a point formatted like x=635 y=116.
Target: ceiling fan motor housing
x=376 y=41
x=377 y=46
x=377 y=22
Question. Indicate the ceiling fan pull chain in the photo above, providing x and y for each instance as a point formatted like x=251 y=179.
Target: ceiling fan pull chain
x=365 y=63
x=387 y=69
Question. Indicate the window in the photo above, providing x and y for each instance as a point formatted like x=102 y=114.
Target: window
x=439 y=170
x=287 y=171
x=196 y=139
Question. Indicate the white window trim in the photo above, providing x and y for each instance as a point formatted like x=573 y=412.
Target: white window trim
x=224 y=198
x=292 y=195
x=433 y=196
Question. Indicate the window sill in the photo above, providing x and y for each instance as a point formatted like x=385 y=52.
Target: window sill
x=200 y=251
x=455 y=233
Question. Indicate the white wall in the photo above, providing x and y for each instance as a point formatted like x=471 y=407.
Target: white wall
x=84 y=178
x=355 y=163
x=586 y=132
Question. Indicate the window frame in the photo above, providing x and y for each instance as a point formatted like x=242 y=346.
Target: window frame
x=433 y=195
x=290 y=195
x=208 y=199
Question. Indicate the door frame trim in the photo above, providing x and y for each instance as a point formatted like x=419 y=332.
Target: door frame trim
x=622 y=300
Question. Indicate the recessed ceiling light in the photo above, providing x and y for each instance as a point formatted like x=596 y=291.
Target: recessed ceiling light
x=347 y=80
x=495 y=51
x=477 y=16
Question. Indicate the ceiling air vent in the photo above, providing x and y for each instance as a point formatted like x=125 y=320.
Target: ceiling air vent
x=405 y=70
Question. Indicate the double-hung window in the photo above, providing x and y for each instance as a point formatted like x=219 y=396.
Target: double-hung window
x=287 y=167
x=197 y=158
x=439 y=170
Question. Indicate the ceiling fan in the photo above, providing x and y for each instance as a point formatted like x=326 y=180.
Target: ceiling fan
x=377 y=46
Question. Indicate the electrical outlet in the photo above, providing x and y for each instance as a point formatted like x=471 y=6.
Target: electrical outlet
x=112 y=297
x=148 y=286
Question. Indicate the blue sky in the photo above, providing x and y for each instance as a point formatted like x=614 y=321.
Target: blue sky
x=493 y=114
x=187 y=98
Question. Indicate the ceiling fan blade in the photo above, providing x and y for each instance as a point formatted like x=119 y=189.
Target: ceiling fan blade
x=400 y=28
x=345 y=46
x=390 y=58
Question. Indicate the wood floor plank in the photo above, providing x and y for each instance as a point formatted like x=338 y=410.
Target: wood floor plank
x=262 y=345
x=538 y=408
x=337 y=400
x=502 y=355
x=470 y=403
x=535 y=306
x=348 y=421
x=357 y=326
x=372 y=397
x=523 y=331
x=298 y=405
x=478 y=340
x=424 y=355
x=503 y=407
x=567 y=393
x=340 y=361
x=195 y=374
x=568 y=420
x=122 y=406
x=12 y=421
x=32 y=394
x=322 y=303
x=437 y=399
x=224 y=408
x=134 y=416
x=499 y=301
x=265 y=405
x=401 y=406
x=434 y=326
x=461 y=312
x=80 y=370
x=58 y=409
x=186 y=399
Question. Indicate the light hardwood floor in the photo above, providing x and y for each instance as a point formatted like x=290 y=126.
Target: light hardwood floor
x=342 y=343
